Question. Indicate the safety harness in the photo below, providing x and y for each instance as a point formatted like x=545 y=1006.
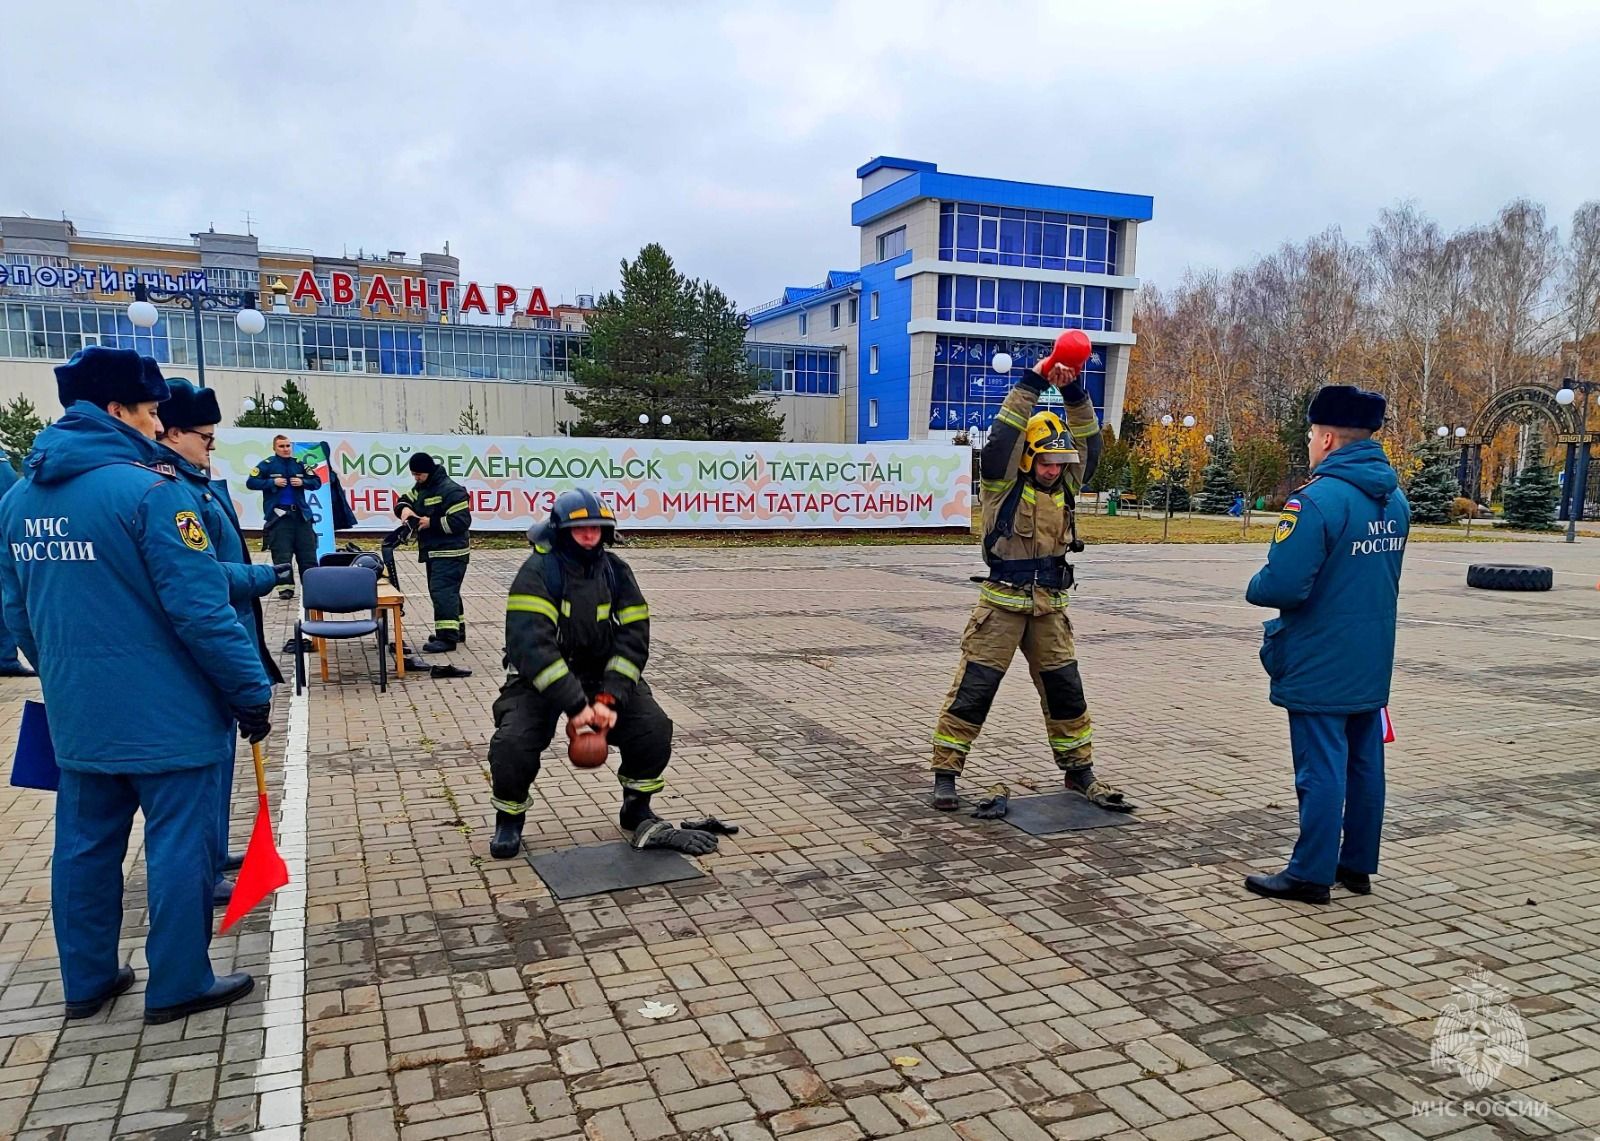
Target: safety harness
x=1052 y=572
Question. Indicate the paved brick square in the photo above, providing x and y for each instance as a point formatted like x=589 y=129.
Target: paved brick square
x=855 y=964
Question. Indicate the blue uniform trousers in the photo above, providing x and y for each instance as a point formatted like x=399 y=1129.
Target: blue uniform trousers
x=94 y=816
x=1338 y=779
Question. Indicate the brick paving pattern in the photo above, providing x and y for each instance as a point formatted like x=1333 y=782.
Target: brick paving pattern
x=855 y=964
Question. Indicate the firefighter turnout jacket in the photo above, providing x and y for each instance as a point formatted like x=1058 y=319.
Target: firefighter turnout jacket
x=576 y=626
x=1027 y=528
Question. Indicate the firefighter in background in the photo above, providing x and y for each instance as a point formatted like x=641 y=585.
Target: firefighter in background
x=577 y=639
x=438 y=509
x=1031 y=470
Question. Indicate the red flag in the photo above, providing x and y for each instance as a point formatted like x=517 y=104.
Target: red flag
x=263 y=871
x=1388 y=727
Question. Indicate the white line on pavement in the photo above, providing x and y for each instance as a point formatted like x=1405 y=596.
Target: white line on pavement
x=278 y=1075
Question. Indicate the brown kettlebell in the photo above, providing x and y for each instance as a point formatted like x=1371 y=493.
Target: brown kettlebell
x=586 y=748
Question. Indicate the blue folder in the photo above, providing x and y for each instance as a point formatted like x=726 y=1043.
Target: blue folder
x=35 y=763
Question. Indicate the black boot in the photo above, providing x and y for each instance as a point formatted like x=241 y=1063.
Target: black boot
x=1284 y=886
x=944 y=792
x=1358 y=882
x=437 y=645
x=635 y=809
x=507 y=840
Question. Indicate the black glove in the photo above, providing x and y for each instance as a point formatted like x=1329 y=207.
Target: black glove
x=994 y=808
x=657 y=833
x=255 y=722
x=285 y=573
x=710 y=824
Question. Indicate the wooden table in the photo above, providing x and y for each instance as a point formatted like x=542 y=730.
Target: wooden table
x=391 y=600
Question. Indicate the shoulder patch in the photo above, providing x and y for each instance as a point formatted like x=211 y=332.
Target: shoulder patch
x=191 y=532
x=256 y=470
x=1292 y=505
x=1286 y=522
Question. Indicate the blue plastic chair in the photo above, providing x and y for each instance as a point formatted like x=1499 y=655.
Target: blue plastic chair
x=341 y=590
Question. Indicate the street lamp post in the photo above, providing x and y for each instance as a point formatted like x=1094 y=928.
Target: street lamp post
x=1172 y=450
x=248 y=318
x=665 y=420
x=1579 y=492
x=1444 y=433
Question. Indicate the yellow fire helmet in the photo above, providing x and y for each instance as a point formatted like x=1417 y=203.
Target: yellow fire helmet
x=1047 y=438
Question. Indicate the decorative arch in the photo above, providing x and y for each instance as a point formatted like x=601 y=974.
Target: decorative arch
x=1523 y=404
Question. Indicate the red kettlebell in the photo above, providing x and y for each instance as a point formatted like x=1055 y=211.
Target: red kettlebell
x=586 y=747
x=1072 y=349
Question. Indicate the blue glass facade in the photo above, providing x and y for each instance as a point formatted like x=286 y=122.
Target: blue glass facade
x=1037 y=239
x=1043 y=304
x=967 y=392
x=53 y=331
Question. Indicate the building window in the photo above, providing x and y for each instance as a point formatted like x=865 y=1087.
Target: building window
x=833 y=315
x=853 y=307
x=872 y=364
x=967 y=392
x=892 y=244
x=874 y=304
x=802 y=324
x=872 y=413
x=1000 y=301
x=1039 y=239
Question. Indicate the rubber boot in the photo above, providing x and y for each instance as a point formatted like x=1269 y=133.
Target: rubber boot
x=507 y=841
x=635 y=809
x=944 y=792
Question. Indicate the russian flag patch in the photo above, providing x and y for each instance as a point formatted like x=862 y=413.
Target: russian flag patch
x=1292 y=505
x=1388 y=726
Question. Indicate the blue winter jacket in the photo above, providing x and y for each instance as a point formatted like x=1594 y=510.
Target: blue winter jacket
x=247 y=582
x=114 y=592
x=262 y=475
x=1334 y=571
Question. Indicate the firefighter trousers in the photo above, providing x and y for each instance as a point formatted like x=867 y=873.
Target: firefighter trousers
x=525 y=723
x=991 y=640
x=446 y=573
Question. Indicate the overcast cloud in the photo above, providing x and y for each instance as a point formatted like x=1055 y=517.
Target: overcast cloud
x=547 y=141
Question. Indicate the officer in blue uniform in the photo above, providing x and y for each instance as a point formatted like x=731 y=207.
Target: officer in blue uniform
x=286 y=523
x=10 y=664
x=112 y=588
x=189 y=419
x=1333 y=571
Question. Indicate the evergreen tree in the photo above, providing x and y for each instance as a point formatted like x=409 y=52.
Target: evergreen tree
x=640 y=350
x=1530 y=498
x=19 y=424
x=1434 y=488
x=1178 y=479
x=469 y=423
x=1113 y=470
x=722 y=400
x=1220 y=480
x=295 y=413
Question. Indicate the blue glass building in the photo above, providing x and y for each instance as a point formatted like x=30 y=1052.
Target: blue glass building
x=955 y=269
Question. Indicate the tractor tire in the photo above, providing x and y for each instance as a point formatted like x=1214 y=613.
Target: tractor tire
x=1509 y=576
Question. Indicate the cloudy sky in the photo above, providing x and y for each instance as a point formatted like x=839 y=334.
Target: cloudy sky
x=545 y=142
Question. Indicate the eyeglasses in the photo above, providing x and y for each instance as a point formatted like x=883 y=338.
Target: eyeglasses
x=210 y=438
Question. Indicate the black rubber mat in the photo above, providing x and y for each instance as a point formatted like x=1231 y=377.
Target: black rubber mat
x=1061 y=812
x=573 y=873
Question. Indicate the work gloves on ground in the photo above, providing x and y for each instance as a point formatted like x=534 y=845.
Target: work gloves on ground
x=657 y=833
x=255 y=722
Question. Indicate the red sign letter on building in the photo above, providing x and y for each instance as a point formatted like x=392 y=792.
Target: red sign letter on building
x=344 y=288
x=414 y=291
x=307 y=286
x=378 y=291
x=446 y=288
x=473 y=299
x=537 y=305
x=505 y=297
